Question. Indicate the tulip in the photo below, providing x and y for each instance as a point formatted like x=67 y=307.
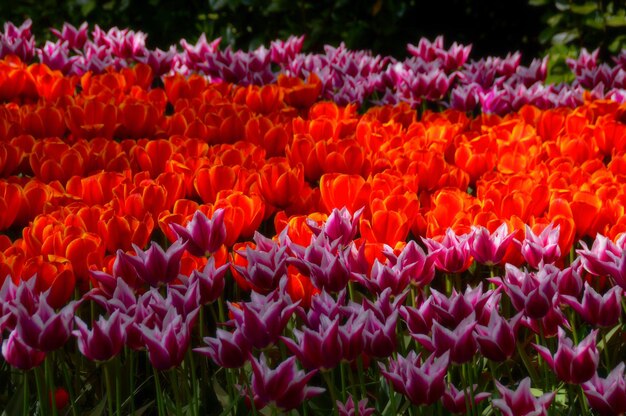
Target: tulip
x=156 y=266
x=285 y=386
x=459 y=343
x=267 y=264
x=423 y=383
x=324 y=348
x=533 y=293
x=263 y=319
x=226 y=349
x=571 y=364
x=607 y=395
x=451 y=311
x=454 y=400
x=350 y=409
x=203 y=236
x=489 y=249
x=521 y=402
x=211 y=281
x=598 y=310
x=339 y=225
x=105 y=340
x=452 y=254
x=541 y=248
x=497 y=340
x=168 y=342
x=19 y=355
x=45 y=329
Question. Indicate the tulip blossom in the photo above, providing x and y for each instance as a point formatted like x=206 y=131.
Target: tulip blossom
x=452 y=254
x=155 y=266
x=543 y=247
x=521 y=402
x=45 y=329
x=598 y=310
x=573 y=364
x=266 y=264
x=226 y=349
x=211 y=281
x=285 y=386
x=105 y=340
x=203 y=236
x=339 y=225
x=263 y=319
x=19 y=355
x=607 y=395
x=168 y=342
x=533 y=293
x=459 y=343
x=489 y=249
x=497 y=340
x=352 y=409
x=454 y=400
x=422 y=382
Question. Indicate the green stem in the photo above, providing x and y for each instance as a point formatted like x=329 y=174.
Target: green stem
x=131 y=364
x=231 y=390
x=605 y=351
x=43 y=403
x=342 y=370
x=531 y=370
x=118 y=387
x=109 y=388
x=359 y=364
x=174 y=386
x=194 y=384
x=331 y=388
x=26 y=401
x=159 y=393
x=70 y=388
x=49 y=374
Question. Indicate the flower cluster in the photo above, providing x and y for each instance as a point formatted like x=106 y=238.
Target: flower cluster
x=258 y=240
x=431 y=73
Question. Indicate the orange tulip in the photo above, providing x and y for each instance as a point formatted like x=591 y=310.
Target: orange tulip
x=341 y=190
x=91 y=119
x=10 y=203
x=121 y=231
x=298 y=93
x=243 y=214
x=279 y=184
x=52 y=273
x=300 y=288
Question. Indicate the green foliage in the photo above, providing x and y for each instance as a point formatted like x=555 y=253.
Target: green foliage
x=383 y=26
x=571 y=25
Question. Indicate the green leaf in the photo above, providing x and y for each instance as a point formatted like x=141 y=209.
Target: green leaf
x=615 y=21
x=555 y=19
x=538 y=2
x=563 y=38
x=562 y=5
x=87 y=7
x=586 y=8
x=99 y=409
x=142 y=410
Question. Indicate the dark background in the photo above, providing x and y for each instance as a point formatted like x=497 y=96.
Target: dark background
x=493 y=27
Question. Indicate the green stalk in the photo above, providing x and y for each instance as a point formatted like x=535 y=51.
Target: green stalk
x=70 y=388
x=194 y=385
x=159 y=393
x=49 y=375
x=43 y=403
x=331 y=389
x=359 y=364
x=342 y=371
x=131 y=358
x=26 y=401
x=174 y=385
x=118 y=387
x=109 y=388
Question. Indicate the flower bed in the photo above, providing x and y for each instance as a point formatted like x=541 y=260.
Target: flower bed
x=175 y=244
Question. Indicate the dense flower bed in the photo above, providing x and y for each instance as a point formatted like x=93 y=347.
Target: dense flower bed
x=432 y=74
x=320 y=257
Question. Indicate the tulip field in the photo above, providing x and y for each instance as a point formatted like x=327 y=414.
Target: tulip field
x=210 y=231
